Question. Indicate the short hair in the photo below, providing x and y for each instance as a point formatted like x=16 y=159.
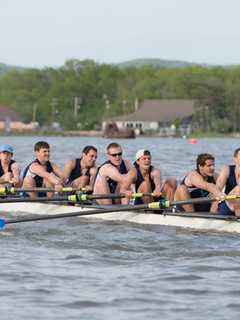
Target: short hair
x=236 y=152
x=202 y=158
x=113 y=145
x=41 y=145
x=87 y=149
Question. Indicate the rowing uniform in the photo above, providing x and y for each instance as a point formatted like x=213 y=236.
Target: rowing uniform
x=9 y=167
x=199 y=193
x=77 y=171
x=112 y=184
x=38 y=180
x=230 y=184
x=140 y=179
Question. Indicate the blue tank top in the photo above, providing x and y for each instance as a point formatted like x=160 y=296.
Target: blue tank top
x=139 y=181
x=9 y=167
x=140 y=178
x=38 y=179
x=231 y=180
x=200 y=193
x=77 y=171
x=112 y=184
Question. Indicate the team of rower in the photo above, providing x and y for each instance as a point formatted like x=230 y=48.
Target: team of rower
x=117 y=176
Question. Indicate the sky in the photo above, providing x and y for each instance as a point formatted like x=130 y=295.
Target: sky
x=40 y=33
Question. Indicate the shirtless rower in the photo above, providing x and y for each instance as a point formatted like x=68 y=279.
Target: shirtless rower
x=41 y=172
x=9 y=168
x=229 y=178
x=147 y=179
x=199 y=183
x=113 y=175
x=81 y=172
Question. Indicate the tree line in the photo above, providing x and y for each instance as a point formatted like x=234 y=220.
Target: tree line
x=80 y=94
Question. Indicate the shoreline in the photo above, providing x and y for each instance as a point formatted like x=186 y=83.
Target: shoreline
x=94 y=133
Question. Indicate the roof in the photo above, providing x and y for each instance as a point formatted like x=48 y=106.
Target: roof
x=7 y=113
x=162 y=110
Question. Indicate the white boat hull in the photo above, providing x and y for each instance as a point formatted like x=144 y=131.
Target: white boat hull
x=199 y=223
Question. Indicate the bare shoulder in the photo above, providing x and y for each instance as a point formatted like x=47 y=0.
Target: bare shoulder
x=225 y=170
x=34 y=166
x=106 y=167
x=128 y=164
x=71 y=163
x=155 y=172
x=192 y=176
x=15 y=165
x=93 y=171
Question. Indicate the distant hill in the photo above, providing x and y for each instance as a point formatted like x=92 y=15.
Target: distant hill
x=156 y=63
x=159 y=63
x=5 y=68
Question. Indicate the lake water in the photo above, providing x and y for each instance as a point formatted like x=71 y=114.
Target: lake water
x=79 y=269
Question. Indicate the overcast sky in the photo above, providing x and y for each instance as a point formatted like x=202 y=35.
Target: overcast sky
x=40 y=33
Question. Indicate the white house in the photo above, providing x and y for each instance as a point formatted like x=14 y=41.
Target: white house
x=162 y=116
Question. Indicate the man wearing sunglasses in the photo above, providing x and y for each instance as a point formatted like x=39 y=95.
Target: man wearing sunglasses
x=113 y=176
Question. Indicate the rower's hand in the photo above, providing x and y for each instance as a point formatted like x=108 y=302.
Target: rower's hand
x=127 y=193
x=58 y=187
x=157 y=193
x=14 y=181
x=220 y=196
x=87 y=189
x=8 y=176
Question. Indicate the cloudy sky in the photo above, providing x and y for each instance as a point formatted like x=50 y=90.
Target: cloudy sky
x=48 y=32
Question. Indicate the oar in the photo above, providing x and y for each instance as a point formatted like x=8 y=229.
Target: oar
x=6 y=190
x=76 y=198
x=153 y=205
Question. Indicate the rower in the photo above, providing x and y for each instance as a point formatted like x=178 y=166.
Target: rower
x=41 y=172
x=229 y=178
x=147 y=179
x=113 y=176
x=81 y=172
x=9 y=168
x=199 y=183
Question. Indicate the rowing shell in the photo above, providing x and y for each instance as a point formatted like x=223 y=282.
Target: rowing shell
x=199 y=221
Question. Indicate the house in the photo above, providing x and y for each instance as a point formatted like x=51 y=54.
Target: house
x=166 y=117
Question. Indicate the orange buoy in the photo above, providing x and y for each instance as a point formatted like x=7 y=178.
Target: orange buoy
x=193 y=140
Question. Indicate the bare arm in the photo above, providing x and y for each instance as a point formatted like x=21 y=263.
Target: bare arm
x=41 y=171
x=93 y=173
x=156 y=176
x=222 y=178
x=194 y=178
x=16 y=174
x=111 y=172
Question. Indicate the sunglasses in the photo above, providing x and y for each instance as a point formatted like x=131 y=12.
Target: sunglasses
x=116 y=154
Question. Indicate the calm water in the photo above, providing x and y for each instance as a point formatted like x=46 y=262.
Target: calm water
x=75 y=269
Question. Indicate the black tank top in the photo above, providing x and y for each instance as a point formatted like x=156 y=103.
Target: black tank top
x=231 y=180
x=208 y=179
x=140 y=178
x=112 y=184
x=77 y=171
x=9 y=167
x=38 y=179
x=200 y=193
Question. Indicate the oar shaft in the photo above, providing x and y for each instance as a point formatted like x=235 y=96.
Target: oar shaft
x=13 y=190
x=75 y=214
x=13 y=200
x=192 y=201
